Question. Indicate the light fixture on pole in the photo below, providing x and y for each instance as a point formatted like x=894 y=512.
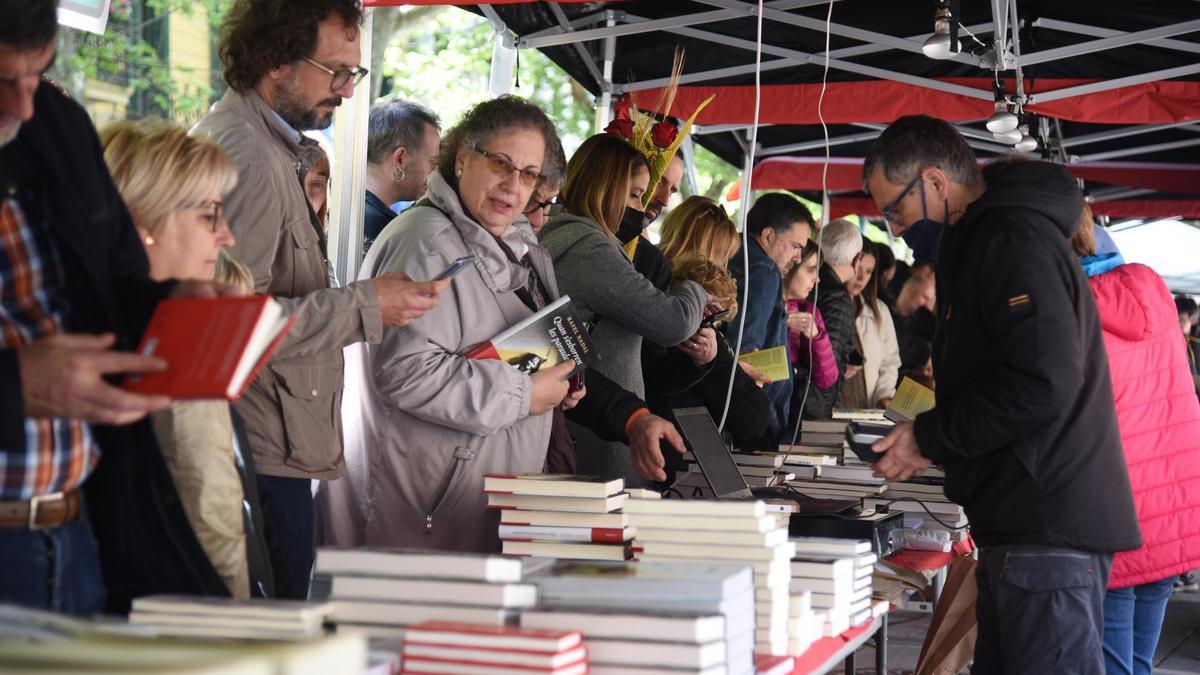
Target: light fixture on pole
x=1027 y=143
x=943 y=44
x=1010 y=137
x=1003 y=120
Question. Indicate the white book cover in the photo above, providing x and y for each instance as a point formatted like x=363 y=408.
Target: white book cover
x=764 y=523
x=665 y=654
x=830 y=546
x=531 y=518
x=403 y=614
x=233 y=608
x=688 y=627
x=708 y=552
x=572 y=504
x=433 y=591
x=728 y=508
x=418 y=564
x=822 y=569
x=768 y=539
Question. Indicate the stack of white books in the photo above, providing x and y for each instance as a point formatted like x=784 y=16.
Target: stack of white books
x=727 y=531
x=759 y=470
x=927 y=489
x=852 y=481
x=193 y=616
x=837 y=574
x=378 y=592
x=687 y=639
x=560 y=516
x=446 y=647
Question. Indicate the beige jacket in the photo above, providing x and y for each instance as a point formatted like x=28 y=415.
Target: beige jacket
x=431 y=423
x=881 y=352
x=196 y=438
x=291 y=409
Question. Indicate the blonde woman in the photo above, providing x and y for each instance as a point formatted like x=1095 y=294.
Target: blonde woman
x=699 y=226
x=173 y=185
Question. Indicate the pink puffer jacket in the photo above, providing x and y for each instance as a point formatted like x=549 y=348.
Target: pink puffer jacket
x=1159 y=418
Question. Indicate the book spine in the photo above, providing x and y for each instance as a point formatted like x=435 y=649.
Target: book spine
x=595 y=535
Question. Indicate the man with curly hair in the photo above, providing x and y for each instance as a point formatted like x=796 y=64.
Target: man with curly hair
x=289 y=64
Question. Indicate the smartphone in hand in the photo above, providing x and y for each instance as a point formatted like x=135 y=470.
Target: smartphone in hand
x=454 y=267
x=712 y=319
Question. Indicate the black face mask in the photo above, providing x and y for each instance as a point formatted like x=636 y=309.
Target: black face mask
x=923 y=235
x=631 y=225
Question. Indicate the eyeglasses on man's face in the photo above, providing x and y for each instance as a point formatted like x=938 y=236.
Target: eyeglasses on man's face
x=549 y=208
x=889 y=211
x=502 y=166
x=340 y=76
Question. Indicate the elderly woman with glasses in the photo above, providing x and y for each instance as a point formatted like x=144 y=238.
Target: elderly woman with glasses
x=431 y=422
x=173 y=185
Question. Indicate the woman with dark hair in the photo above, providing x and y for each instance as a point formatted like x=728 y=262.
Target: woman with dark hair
x=808 y=341
x=433 y=421
x=876 y=332
x=602 y=194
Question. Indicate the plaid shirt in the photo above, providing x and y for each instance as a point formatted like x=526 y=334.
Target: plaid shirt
x=58 y=453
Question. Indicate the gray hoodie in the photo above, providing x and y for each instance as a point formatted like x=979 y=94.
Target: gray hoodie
x=625 y=307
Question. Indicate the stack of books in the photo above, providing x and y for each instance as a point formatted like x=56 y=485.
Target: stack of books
x=652 y=618
x=561 y=516
x=928 y=489
x=193 y=616
x=837 y=574
x=444 y=647
x=730 y=531
x=378 y=592
x=851 y=481
x=759 y=470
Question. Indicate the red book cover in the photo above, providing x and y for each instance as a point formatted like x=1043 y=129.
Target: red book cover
x=214 y=347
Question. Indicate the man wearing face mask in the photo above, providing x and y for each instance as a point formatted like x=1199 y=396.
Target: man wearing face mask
x=1024 y=423
x=778 y=225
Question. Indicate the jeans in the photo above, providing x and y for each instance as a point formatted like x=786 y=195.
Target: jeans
x=287 y=508
x=1040 y=610
x=56 y=569
x=1133 y=618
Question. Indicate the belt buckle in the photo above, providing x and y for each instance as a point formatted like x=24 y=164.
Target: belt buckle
x=36 y=501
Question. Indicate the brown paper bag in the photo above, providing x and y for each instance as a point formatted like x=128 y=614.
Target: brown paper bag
x=950 y=643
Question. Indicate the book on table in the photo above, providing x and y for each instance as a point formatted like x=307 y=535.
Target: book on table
x=595 y=535
x=806 y=547
x=301 y=611
x=401 y=562
x=768 y=539
x=403 y=614
x=835 y=568
x=662 y=654
x=433 y=591
x=549 y=639
x=567 y=550
x=417 y=657
x=441 y=645
x=552 y=485
x=713 y=552
x=550 y=336
x=566 y=519
x=770 y=363
x=912 y=398
x=754 y=508
x=571 y=504
x=213 y=347
x=758 y=524
x=692 y=627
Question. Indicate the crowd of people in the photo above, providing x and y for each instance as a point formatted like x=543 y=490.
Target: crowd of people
x=1067 y=420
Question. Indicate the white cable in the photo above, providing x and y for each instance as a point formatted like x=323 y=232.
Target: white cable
x=745 y=211
x=824 y=222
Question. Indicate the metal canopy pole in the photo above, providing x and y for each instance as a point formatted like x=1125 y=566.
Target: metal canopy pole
x=1126 y=132
x=604 y=104
x=583 y=54
x=747 y=172
x=1113 y=42
x=1140 y=150
x=1106 y=85
x=1096 y=31
x=349 y=166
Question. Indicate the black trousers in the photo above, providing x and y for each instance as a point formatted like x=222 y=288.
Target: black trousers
x=1040 y=610
x=287 y=508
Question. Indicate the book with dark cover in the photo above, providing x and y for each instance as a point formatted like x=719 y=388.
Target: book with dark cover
x=552 y=335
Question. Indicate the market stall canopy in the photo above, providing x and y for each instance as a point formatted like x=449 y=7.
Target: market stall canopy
x=1098 y=80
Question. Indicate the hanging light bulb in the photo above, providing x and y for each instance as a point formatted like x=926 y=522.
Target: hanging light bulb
x=1010 y=137
x=941 y=45
x=1002 y=120
x=1027 y=143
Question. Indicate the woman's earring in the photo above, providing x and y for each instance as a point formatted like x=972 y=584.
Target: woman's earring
x=458 y=173
x=148 y=240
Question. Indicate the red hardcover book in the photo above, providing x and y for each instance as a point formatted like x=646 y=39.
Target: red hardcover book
x=213 y=346
x=595 y=535
x=481 y=636
x=765 y=664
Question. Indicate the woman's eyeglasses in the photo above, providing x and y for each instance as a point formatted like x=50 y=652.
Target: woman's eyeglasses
x=213 y=213
x=501 y=166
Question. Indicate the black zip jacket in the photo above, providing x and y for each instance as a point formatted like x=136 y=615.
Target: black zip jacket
x=1024 y=422
x=838 y=311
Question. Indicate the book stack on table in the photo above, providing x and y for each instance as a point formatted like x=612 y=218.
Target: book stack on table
x=837 y=573
x=641 y=618
x=759 y=470
x=732 y=532
x=446 y=647
x=561 y=516
x=925 y=489
x=850 y=481
x=193 y=616
x=378 y=592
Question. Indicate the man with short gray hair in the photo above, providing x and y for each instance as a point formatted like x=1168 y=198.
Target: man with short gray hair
x=403 y=139
x=841 y=242
x=1024 y=425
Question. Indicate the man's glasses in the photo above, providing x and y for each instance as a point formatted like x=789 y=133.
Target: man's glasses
x=549 y=208
x=889 y=211
x=501 y=166
x=342 y=75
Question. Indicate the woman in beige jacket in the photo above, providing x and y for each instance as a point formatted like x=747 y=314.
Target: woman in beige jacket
x=431 y=422
x=876 y=332
x=174 y=185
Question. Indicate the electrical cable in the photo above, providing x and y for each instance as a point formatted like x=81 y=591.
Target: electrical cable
x=931 y=513
x=746 y=187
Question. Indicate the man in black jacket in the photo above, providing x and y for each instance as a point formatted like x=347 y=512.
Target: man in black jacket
x=1024 y=423
x=75 y=295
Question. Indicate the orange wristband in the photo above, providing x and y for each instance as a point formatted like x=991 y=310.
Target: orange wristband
x=633 y=418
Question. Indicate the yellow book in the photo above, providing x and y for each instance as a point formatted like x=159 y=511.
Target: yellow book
x=911 y=399
x=772 y=363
